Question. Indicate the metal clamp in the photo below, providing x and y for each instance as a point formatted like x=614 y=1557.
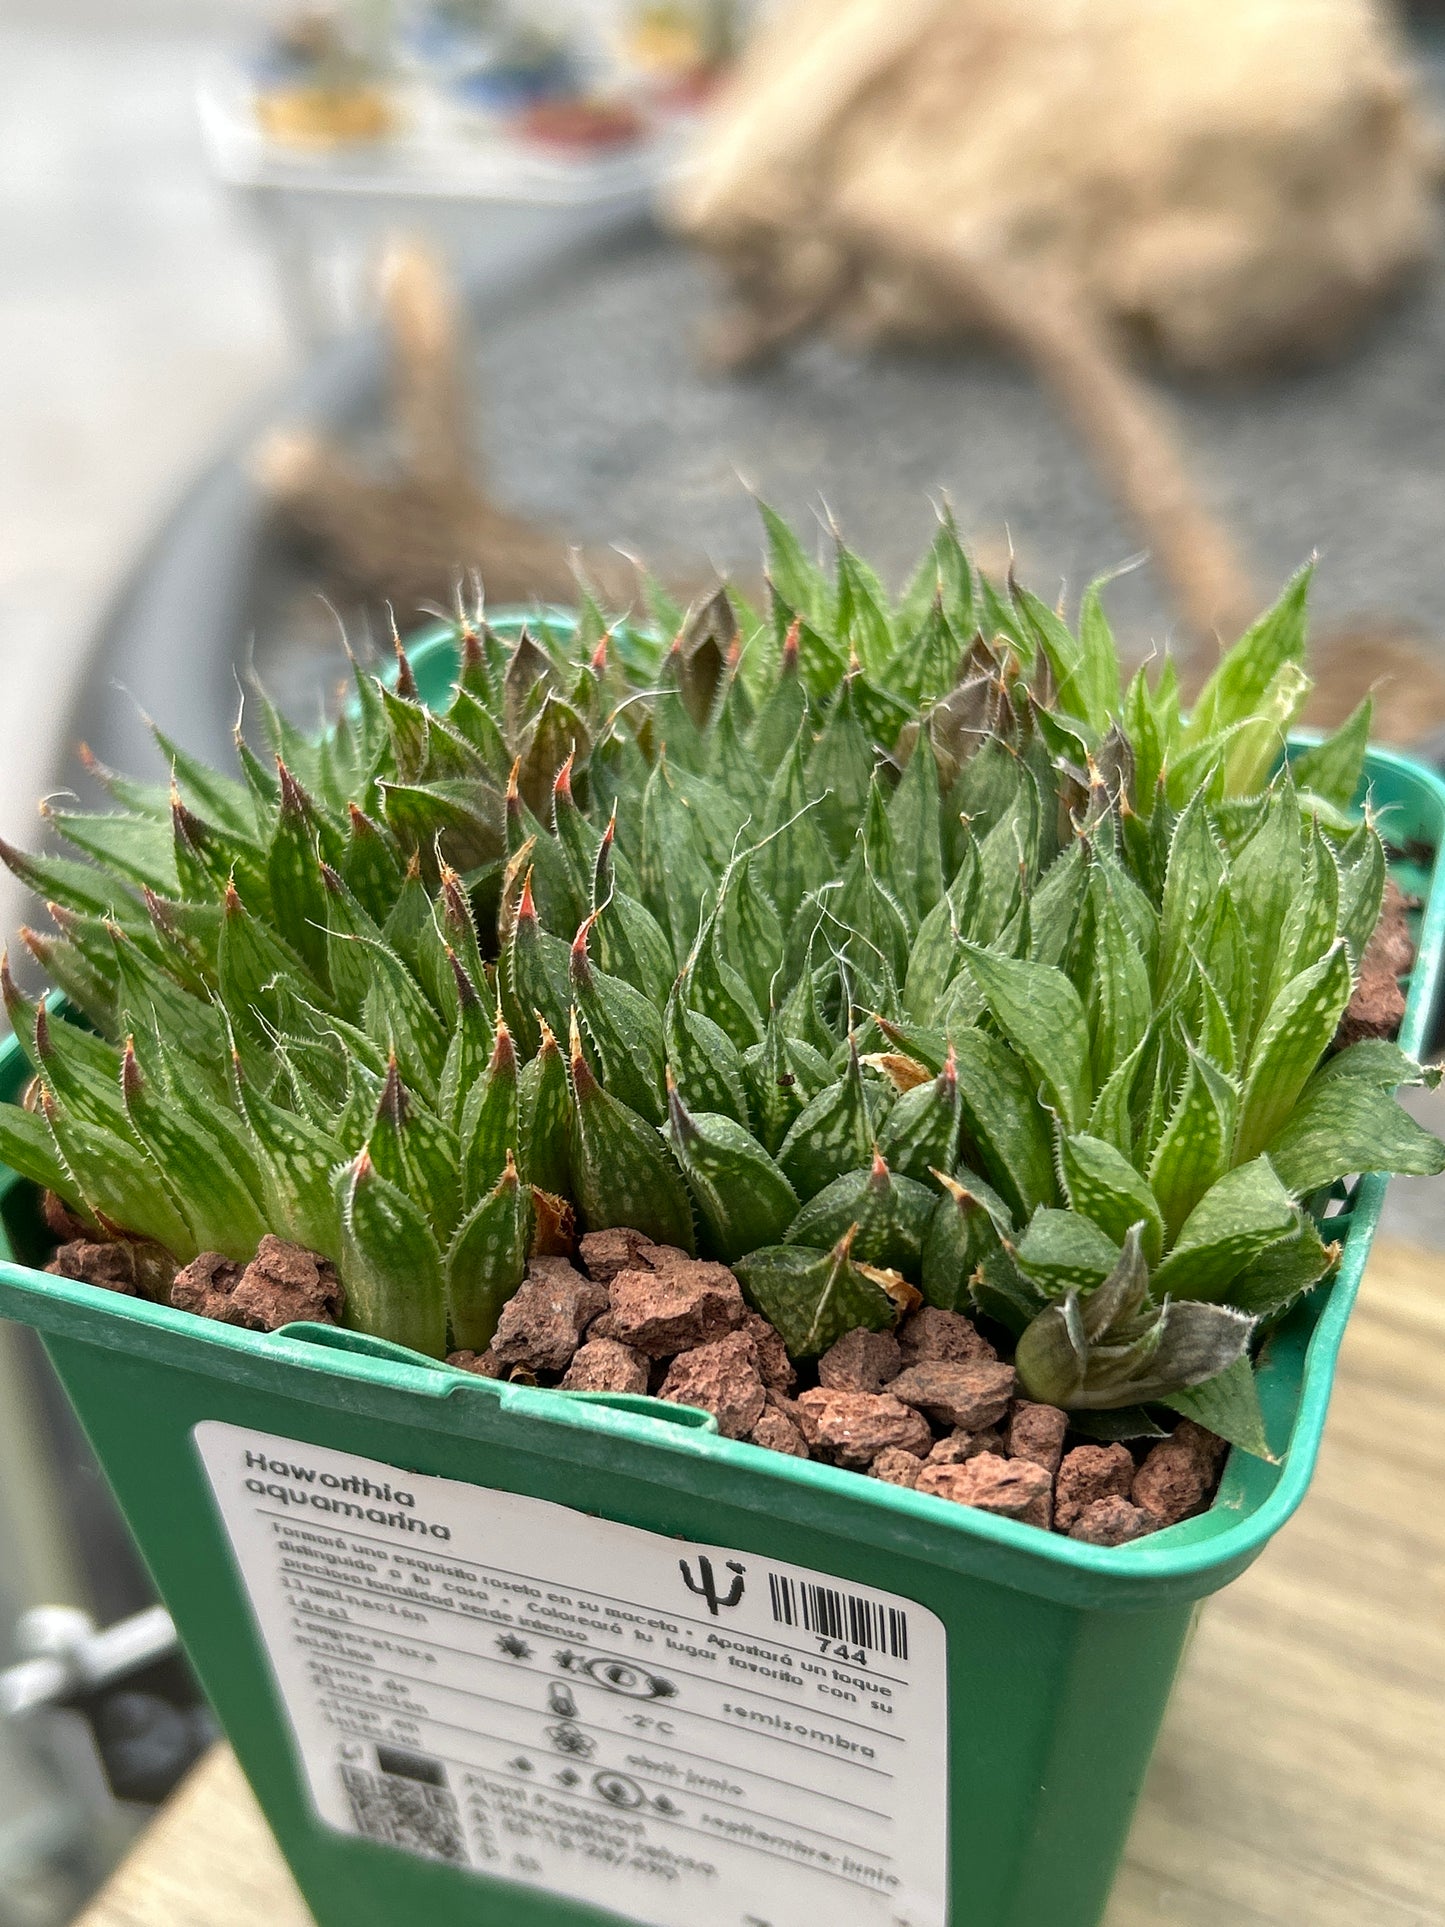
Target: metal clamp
x=130 y=1683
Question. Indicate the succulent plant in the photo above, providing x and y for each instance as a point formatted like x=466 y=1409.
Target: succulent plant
x=879 y=950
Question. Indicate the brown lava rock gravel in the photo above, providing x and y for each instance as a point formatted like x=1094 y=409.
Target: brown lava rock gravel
x=688 y=1302
x=134 y=1270
x=65 y=1227
x=774 y=1364
x=1179 y=1475
x=541 y=1327
x=1088 y=1473
x=605 y=1253
x=1377 y=1007
x=852 y=1428
x=1111 y=1522
x=861 y=1361
x=480 y=1364
x=1015 y=1488
x=778 y=1431
x=1037 y=1432
x=968 y=1397
x=931 y=1336
x=606 y=1365
x=205 y=1285
x=284 y=1284
x=929 y=1408
x=723 y=1378
x=959 y=1446
x=896 y=1467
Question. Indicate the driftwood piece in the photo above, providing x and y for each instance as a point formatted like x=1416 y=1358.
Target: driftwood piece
x=1233 y=180
x=410 y=527
x=1124 y=423
x=1228 y=181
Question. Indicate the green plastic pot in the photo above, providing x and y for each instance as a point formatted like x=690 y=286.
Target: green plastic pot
x=1059 y=1656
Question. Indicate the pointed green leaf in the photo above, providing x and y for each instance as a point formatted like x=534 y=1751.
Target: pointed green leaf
x=1342 y=1125
x=1270 y=1283
x=704 y=1062
x=391 y=1266
x=833 y=1133
x=1293 y=1037
x=470 y=1049
x=622 y=1171
x=1103 y=1185
x=1238 y=685
x=28 y=1149
x=135 y=848
x=1247 y=1211
x=742 y=1198
x=535 y=976
x=814 y=1297
x=371 y=865
x=1196 y=874
x=624 y=1031
x=677 y=876
x=460 y=821
x=1039 y=1012
x=1060 y=1249
x=1002 y=1121
x=1194 y=1151
x=544 y=1115
x=222 y=1209
x=415 y=1151
x=486 y=1261
x=800 y=581
x=298 y=1160
x=489 y=1131
x=121 y=1184
x=1055 y=904
x=1362 y=888
x=208 y=861
x=839 y=772
x=293 y=875
x=81 y=1070
x=59 y=879
x=921 y=1132
x=966 y=1226
x=1120 y=1003
x=890 y=1215
x=1228 y=1405
x=1334 y=769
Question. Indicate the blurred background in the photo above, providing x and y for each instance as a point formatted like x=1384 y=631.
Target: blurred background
x=307 y=311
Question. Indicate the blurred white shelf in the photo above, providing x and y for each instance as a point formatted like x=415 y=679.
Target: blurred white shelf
x=441 y=151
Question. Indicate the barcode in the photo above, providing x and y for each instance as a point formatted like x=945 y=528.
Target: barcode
x=845 y=1616
x=407 y=1804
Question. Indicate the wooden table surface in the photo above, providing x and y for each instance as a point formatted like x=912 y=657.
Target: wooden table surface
x=1300 y=1779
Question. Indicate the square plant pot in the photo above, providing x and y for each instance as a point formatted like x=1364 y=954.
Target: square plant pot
x=494 y=1653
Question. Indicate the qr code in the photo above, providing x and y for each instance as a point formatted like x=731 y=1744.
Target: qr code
x=407 y=1804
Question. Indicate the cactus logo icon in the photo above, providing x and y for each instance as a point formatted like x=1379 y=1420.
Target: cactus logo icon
x=705 y=1585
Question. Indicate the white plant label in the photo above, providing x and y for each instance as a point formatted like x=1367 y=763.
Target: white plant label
x=689 y=1735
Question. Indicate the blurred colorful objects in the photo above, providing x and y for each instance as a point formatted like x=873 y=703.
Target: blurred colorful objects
x=319 y=86
x=583 y=125
x=570 y=77
x=682 y=45
x=526 y=67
